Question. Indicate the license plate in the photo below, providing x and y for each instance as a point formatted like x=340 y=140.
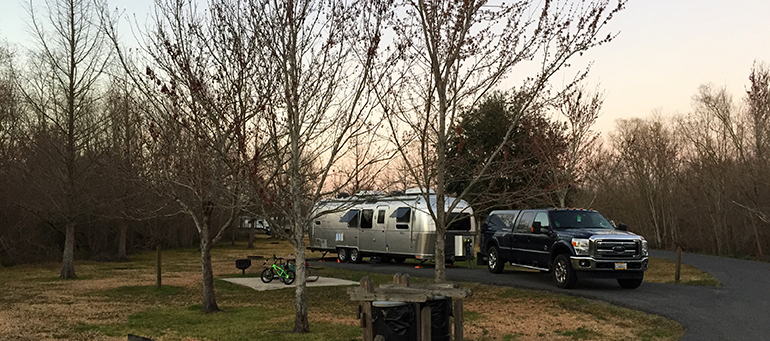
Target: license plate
x=621 y=266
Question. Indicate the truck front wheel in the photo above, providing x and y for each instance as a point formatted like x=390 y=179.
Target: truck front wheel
x=563 y=274
x=630 y=283
x=495 y=264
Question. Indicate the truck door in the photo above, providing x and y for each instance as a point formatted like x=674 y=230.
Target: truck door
x=520 y=239
x=539 y=246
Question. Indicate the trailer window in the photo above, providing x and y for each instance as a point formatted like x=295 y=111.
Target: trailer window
x=366 y=219
x=403 y=217
x=381 y=217
x=351 y=218
x=459 y=222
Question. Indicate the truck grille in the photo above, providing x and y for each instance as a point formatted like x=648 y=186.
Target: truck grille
x=609 y=248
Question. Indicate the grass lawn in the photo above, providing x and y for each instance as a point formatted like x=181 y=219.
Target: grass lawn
x=111 y=300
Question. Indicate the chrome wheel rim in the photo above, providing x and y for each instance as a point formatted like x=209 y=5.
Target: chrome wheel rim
x=492 y=260
x=560 y=272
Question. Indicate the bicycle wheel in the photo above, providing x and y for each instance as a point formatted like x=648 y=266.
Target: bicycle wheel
x=267 y=275
x=289 y=278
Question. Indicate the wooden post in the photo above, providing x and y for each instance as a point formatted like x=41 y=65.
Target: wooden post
x=458 y=319
x=402 y=279
x=158 y=281
x=678 y=263
x=425 y=324
x=366 y=310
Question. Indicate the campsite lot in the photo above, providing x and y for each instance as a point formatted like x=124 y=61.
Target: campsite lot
x=110 y=300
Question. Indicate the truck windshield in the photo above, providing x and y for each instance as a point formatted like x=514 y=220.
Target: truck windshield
x=578 y=220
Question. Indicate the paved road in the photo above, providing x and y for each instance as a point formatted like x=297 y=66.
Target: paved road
x=738 y=310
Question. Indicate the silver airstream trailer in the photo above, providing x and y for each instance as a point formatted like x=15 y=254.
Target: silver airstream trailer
x=397 y=227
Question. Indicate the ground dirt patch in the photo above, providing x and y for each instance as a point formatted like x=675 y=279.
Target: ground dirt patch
x=111 y=300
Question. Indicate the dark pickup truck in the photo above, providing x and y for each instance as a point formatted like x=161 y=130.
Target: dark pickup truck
x=570 y=243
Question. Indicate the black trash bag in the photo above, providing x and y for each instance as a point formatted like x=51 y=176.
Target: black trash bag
x=396 y=322
x=440 y=311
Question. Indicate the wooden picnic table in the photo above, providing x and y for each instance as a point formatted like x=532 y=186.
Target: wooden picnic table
x=401 y=290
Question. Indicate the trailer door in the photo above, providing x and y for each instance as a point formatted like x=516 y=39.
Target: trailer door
x=399 y=231
x=371 y=238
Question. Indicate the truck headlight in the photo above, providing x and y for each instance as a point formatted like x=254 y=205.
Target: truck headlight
x=644 y=247
x=581 y=246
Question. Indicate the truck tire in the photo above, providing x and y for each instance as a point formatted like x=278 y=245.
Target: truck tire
x=355 y=256
x=495 y=264
x=399 y=260
x=342 y=255
x=563 y=274
x=630 y=283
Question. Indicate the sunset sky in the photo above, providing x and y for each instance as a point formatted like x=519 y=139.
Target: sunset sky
x=665 y=50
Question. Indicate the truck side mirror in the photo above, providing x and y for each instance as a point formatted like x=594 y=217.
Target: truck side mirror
x=622 y=227
x=537 y=227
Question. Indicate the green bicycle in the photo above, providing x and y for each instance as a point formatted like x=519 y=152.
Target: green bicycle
x=279 y=269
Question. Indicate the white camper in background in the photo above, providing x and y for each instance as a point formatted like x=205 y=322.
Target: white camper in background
x=371 y=224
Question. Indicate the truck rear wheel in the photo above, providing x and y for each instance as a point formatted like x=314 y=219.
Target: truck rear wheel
x=630 y=283
x=563 y=273
x=342 y=255
x=495 y=264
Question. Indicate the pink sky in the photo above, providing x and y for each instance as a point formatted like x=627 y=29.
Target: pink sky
x=665 y=50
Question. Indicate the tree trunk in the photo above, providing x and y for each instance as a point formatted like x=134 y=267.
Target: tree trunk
x=122 y=241
x=209 y=297
x=301 y=322
x=440 y=275
x=68 y=259
x=252 y=232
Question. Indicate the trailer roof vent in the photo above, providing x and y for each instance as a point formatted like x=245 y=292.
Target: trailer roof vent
x=369 y=194
x=417 y=191
x=341 y=195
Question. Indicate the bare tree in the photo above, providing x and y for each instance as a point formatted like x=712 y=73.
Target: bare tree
x=124 y=164
x=449 y=54
x=198 y=83
x=322 y=53
x=712 y=130
x=61 y=89
x=648 y=152
x=581 y=109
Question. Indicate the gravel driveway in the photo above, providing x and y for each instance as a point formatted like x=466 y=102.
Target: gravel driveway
x=738 y=310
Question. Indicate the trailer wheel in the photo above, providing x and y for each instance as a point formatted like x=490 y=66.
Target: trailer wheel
x=342 y=255
x=399 y=260
x=355 y=256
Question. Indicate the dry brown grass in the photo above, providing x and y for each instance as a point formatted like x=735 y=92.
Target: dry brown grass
x=36 y=305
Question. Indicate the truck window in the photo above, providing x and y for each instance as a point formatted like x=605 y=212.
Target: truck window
x=366 y=219
x=381 y=217
x=579 y=220
x=542 y=218
x=351 y=217
x=525 y=222
x=508 y=220
x=403 y=217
